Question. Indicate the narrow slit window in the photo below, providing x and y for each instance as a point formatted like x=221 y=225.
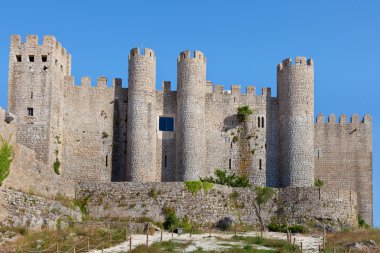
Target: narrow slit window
x=31 y=58
x=258 y=122
x=31 y=95
x=231 y=144
x=106 y=160
x=30 y=111
x=262 y=122
x=229 y=163
x=166 y=161
x=260 y=164
x=18 y=58
x=44 y=58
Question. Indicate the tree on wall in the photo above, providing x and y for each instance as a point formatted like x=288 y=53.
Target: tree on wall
x=6 y=157
x=263 y=196
x=243 y=140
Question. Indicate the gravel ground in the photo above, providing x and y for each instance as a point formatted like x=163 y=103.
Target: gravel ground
x=206 y=242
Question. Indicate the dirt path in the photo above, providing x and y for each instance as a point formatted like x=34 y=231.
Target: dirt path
x=309 y=244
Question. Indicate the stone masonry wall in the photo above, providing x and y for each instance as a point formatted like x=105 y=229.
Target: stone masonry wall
x=27 y=173
x=23 y=210
x=343 y=157
x=88 y=133
x=133 y=200
x=227 y=148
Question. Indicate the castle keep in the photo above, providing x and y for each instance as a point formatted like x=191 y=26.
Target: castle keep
x=106 y=133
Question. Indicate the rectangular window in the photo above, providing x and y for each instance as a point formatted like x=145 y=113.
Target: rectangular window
x=31 y=58
x=44 y=58
x=30 y=111
x=166 y=161
x=18 y=58
x=229 y=164
x=166 y=124
x=260 y=164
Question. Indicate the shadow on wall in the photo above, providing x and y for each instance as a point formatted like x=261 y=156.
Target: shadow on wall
x=119 y=138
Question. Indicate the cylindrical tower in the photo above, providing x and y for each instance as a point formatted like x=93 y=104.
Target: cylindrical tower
x=141 y=121
x=295 y=86
x=190 y=133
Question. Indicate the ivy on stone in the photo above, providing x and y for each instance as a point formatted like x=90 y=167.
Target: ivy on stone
x=6 y=157
x=56 y=166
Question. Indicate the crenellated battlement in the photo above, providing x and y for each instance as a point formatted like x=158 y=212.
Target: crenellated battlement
x=298 y=61
x=32 y=41
x=135 y=52
x=86 y=82
x=185 y=55
x=343 y=119
x=236 y=90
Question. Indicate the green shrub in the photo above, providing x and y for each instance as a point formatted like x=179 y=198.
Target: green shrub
x=6 y=154
x=153 y=193
x=171 y=219
x=298 y=229
x=276 y=227
x=56 y=166
x=243 y=113
x=318 y=183
x=105 y=135
x=362 y=223
x=196 y=186
x=223 y=178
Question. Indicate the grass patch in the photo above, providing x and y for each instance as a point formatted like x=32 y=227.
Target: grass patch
x=343 y=238
x=66 y=238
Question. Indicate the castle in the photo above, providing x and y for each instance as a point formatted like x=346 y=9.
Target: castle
x=109 y=133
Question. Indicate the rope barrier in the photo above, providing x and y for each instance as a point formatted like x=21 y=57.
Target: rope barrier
x=105 y=240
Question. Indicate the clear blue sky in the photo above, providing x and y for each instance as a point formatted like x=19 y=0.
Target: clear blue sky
x=242 y=40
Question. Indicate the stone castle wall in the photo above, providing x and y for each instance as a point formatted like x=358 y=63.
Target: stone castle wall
x=343 y=157
x=93 y=131
x=20 y=209
x=300 y=205
x=27 y=172
x=92 y=118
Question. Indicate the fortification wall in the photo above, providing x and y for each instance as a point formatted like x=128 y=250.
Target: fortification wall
x=90 y=126
x=27 y=173
x=166 y=105
x=343 y=157
x=36 y=74
x=240 y=149
x=19 y=209
x=133 y=200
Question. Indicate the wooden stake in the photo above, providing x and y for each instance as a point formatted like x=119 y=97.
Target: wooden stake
x=161 y=236
x=301 y=247
x=130 y=243
x=88 y=243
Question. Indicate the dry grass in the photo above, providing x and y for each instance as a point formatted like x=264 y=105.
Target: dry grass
x=344 y=238
x=66 y=238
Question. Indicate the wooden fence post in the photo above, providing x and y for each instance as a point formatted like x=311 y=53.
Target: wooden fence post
x=130 y=243
x=301 y=247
